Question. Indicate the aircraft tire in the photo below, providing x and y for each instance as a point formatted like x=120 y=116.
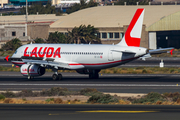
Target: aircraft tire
x=59 y=76
x=55 y=77
x=94 y=76
x=30 y=77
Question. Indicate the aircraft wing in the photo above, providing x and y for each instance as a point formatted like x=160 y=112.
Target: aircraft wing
x=124 y=51
x=49 y=62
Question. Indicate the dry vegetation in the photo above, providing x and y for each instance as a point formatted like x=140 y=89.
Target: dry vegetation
x=92 y=96
x=142 y=70
x=6 y=53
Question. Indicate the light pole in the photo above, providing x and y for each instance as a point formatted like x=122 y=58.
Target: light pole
x=26 y=19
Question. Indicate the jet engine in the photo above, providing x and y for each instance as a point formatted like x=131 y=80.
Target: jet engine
x=34 y=70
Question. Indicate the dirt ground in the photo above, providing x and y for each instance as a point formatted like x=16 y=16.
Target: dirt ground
x=83 y=98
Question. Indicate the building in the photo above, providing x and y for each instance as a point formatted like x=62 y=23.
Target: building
x=3 y=2
x=30 y=2
x=161 y=23
x=15 y=27
x=161 y=26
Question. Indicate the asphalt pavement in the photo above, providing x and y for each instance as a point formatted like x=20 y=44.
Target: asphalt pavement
x=88 y=112
x=114 y=83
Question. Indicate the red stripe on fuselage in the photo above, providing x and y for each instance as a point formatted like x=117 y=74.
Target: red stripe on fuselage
x=29 y=73
x=103 y=63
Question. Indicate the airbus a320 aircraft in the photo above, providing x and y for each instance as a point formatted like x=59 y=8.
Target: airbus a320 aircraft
x=33 y=59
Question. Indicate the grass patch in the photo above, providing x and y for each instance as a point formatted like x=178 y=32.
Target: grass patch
x=2 y=97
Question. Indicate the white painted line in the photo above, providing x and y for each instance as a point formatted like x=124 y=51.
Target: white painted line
x=6 y=64
x=115 y=85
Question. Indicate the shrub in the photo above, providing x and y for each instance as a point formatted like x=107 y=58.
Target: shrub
x=24 y=99
x=9 y=100
x=104 y=99
x=171 y=95
x=144 y=71
x=151 y=97
x=26 y=93
x=166 y=94
x=172 y=70
x=2 y=97
x=88 y=91
x=58 y=100
x=175 y=98
x=9 y=94
x=178 y=101
x=159 y=102
x=49 y=99
x=54 y=91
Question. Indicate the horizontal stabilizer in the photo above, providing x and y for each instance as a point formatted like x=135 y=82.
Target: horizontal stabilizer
x=159 y=51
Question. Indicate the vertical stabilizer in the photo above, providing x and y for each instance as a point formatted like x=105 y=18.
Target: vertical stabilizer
x=132 y=36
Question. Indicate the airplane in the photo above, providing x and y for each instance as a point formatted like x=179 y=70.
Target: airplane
x=33 y=59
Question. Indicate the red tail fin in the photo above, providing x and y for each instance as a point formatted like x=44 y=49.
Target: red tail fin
x=132 y=36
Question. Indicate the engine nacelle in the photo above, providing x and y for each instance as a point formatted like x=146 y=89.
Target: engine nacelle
x=34 y=70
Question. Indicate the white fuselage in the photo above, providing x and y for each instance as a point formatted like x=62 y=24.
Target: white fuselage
x=82 y=56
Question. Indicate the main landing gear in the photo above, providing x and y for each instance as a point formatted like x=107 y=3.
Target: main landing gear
x=94 y=74
x=56 y=76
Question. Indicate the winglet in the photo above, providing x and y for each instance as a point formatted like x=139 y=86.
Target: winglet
x=6 y=58
x=171 y=51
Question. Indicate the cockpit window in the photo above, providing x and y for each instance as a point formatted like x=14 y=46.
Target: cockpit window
x=15 y=52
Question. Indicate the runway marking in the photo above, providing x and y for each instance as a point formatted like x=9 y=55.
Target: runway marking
x=53 y=114
x=111 y=111
x=115 y=85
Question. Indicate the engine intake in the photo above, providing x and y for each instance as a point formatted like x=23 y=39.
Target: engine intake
x=34 y=70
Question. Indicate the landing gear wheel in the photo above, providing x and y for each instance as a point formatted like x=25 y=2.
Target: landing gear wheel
x=60 y=76
x=94 y=76
x=55 y=77
x=30 y=77
x=90 y=76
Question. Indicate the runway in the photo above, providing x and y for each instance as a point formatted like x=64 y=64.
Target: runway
x=89 y=112
x=115 y=83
